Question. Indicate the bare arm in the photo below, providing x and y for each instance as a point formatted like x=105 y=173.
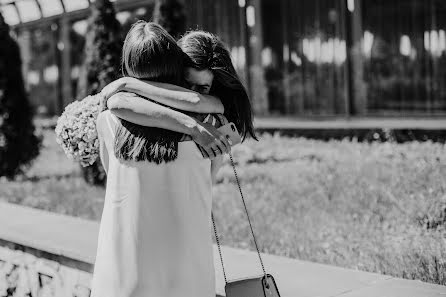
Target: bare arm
x=146 y=113
x=150 y=114
x=167 y=94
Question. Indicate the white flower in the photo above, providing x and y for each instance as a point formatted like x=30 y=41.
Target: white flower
x=76 y=130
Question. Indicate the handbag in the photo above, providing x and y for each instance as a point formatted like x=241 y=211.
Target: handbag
x=257 y=286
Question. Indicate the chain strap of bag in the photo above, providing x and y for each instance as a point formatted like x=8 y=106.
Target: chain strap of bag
x=249 y=221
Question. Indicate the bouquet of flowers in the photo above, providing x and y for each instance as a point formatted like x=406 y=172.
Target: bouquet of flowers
x=76 y=130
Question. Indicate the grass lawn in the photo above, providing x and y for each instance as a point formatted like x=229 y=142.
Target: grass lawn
x=379 y=207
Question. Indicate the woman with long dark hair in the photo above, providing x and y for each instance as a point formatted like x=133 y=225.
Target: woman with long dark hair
x=155 y=232
x=208 y=70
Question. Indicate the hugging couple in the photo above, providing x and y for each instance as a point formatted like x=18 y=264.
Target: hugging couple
x=161 y=149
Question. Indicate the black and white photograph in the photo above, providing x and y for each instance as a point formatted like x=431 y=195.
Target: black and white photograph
x=222 y=148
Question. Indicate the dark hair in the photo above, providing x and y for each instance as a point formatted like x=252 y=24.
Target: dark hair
x=149 y=52
x=207 y=51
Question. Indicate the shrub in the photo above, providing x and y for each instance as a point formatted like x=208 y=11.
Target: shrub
x=102 y=64
x=18 y=143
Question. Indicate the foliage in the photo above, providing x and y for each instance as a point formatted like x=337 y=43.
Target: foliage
x=171 y=15
x=54 y=183
x=102 y=52
x=371 y=206
x=19 y=144
x=102 y=63
x=374 y=206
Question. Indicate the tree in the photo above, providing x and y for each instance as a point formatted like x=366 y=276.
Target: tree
x=18 y=143
x=102 y=56
x=171 y=15
x=102 y=53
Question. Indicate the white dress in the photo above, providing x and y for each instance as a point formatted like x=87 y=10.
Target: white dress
x=155 y=231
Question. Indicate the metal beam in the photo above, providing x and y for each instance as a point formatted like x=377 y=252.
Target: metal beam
x=63 y=5
x=75 y=15
x=7 y=3
x=18 y=12
x=40 y=8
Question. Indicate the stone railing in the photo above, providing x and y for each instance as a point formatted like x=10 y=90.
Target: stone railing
x=43 y=254
x=23 y=275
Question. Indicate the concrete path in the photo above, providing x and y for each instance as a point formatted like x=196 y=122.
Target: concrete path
x=295 y=123
x=72 y=242
x=296 y=278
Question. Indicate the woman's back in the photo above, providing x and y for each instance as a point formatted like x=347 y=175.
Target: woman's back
x=155 y=233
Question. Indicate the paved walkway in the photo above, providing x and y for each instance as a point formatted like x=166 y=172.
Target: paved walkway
x=290 y=122
x=297 y=278
x=351 y=123
x=72 y=242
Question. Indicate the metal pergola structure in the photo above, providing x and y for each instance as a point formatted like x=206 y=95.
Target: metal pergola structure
x=28 y=13
x=23 y=11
